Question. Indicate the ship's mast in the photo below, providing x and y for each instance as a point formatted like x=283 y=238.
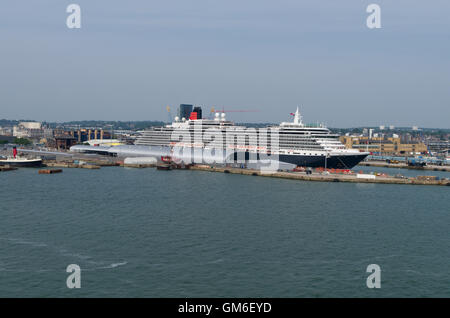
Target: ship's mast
x=298 y=118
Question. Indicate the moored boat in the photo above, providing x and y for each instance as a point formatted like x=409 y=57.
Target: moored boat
x=21 y=162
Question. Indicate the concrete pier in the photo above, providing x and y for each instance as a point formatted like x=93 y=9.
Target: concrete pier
x=95 y=163
x=71 y=165
x=326 y=177
x=7 y=168
x=383 y=164
x=138 y=165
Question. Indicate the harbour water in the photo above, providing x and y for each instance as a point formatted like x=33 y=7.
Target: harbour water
x=181 y=233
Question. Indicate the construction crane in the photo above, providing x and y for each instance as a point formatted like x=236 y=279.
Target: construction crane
x=170 y=114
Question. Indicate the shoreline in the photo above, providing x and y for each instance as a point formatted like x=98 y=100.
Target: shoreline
x=90 y=162
x=324 y=177
x=383 y=164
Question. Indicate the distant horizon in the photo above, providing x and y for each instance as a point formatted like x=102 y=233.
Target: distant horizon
x=237 y=122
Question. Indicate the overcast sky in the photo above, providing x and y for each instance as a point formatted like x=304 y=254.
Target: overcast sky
x=131 y=59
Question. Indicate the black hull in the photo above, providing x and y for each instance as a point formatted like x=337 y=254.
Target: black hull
x=333 y=162
x=31 y=164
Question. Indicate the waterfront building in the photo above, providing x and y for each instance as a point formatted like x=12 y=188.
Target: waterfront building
x=438 y=146
x=6 y=131
x=385 y=145
x=86 y=134
x=32 y=130
x=64 y=141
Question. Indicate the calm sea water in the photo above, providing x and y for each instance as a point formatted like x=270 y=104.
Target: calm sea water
x=149 y=233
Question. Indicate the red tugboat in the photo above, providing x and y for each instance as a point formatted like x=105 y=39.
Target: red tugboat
x=166 y=163
x=17 y=161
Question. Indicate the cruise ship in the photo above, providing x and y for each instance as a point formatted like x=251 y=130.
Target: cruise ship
x=290 y=142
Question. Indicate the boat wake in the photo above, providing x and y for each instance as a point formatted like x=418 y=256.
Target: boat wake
x=114 y=265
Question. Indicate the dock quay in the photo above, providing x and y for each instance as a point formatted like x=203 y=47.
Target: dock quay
x=82 y=163
x=355 y=178
x=7 y=168
x=70 y=165
x=383 y=164
x=331 y=175
x=125 y=165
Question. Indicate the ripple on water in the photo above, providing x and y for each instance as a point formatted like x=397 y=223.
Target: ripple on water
x=149 y=233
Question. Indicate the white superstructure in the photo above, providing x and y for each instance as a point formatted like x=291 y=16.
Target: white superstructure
x=295 y=142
